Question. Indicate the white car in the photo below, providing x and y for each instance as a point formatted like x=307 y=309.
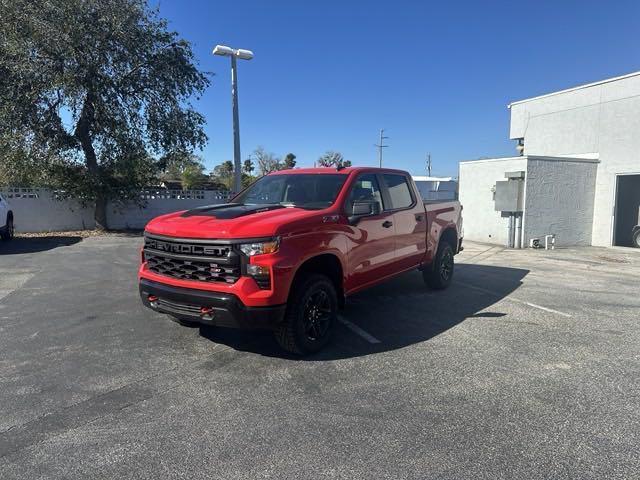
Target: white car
x=6 y=219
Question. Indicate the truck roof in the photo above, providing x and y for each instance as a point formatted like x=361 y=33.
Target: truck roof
x=326 y=170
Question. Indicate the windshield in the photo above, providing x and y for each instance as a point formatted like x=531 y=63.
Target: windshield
x=313 y=191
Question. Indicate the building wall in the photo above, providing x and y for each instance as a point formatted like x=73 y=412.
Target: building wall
x=600 y=121
x=559 y=199
x=38 y=210
x=477 y=179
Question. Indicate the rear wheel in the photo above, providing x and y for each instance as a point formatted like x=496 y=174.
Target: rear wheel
x=439 y=274
x=310 y=317
x=7 y=233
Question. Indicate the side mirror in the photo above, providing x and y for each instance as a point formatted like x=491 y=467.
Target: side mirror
x=363 y=209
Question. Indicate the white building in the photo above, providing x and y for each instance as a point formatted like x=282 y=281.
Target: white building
x=581 y=167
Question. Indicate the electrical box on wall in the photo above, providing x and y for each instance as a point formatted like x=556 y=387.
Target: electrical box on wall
x=509 y=194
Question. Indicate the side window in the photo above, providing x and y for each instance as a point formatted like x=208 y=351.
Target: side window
x=399 y=191
x=365 y=188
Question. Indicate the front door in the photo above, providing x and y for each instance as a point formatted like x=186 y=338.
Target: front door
x=372 y=248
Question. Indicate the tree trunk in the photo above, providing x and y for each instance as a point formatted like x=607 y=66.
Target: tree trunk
x=83 y=134
x=100 y=214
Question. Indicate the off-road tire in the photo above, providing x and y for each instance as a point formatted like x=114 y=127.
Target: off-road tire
x=292 y=334
x=439 y=274
x=7 y=232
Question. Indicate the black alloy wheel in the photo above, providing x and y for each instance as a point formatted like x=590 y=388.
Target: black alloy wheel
x=317 y=315
x=312 y=312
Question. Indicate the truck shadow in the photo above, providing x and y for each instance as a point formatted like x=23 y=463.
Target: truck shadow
x=20 y=245
x=397 y=314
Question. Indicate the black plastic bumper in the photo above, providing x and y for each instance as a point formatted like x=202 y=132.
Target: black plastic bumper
x=222 y=309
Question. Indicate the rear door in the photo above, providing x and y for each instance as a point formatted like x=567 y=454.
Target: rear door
x=371 y=241
x=409 y=219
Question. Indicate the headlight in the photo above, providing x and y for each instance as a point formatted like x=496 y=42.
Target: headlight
x=260 y=248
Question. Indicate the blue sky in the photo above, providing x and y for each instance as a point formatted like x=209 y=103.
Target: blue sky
x=437 y=76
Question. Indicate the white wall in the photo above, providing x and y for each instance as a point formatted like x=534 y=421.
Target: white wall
x=477 y=178
x=37 y=210
x=598 y=121
x=559 y=199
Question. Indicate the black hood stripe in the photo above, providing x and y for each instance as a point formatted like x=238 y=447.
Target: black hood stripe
x=228 y=211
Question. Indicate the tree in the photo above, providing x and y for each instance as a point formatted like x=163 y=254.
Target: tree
x=289 y=161
x=248 y=167
x=267 y=162
x=333 y=159
x=193 y=176
x=173 y=165
x=94 y=90
x=223 y=173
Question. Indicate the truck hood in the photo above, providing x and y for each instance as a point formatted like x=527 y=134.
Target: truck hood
x=231 y=221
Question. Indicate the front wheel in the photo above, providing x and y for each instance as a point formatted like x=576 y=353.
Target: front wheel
x=439 y=274
x=310 y=317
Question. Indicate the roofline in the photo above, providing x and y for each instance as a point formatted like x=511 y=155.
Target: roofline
x=586 y=85
x=344 y=170
x=548 y=158
x=422 y=178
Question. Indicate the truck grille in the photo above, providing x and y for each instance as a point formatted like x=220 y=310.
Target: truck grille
x=185 y=260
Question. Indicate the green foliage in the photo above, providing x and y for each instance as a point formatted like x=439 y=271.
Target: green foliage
x=333 y=159
x=248 y=167
x=223 y=173
x=173 y=165
x=90 y=92
x=193 y=176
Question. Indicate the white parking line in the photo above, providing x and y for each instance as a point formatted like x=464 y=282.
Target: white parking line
x=357 y=330
x=529 y=304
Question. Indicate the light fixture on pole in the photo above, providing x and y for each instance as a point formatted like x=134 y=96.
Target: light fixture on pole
x=225 y=51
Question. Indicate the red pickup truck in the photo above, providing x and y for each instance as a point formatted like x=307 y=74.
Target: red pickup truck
x=286 y=252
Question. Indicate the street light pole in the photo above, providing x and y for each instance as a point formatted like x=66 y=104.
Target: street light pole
x=237 y=167
x=225 y=51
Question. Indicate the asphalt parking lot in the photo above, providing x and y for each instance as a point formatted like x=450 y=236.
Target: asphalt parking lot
x=527 y=367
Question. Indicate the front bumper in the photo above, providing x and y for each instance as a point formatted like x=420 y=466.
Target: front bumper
x=220 y=309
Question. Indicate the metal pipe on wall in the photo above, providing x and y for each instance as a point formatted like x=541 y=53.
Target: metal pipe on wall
x=518 y=230
x=511 y=233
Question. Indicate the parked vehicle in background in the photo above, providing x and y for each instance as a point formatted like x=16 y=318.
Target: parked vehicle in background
x=289 y=249
x=437 y=189
x=6 y=219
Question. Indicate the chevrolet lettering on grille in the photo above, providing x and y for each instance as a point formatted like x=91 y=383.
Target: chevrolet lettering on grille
x=184 y=248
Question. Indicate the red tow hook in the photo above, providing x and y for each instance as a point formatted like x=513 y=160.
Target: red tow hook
x=153 y=300
x=206 y=313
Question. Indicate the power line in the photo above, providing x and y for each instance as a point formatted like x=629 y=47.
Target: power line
x=380 y=146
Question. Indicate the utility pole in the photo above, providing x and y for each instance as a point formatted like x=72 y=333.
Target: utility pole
x=380 y=146
x=429 y=164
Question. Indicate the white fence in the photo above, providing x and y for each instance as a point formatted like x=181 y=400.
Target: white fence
x=40 y=210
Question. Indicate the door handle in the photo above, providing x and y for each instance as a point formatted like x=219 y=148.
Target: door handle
x=387 y=224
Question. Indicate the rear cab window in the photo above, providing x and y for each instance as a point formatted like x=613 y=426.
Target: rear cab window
x=400 y=194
